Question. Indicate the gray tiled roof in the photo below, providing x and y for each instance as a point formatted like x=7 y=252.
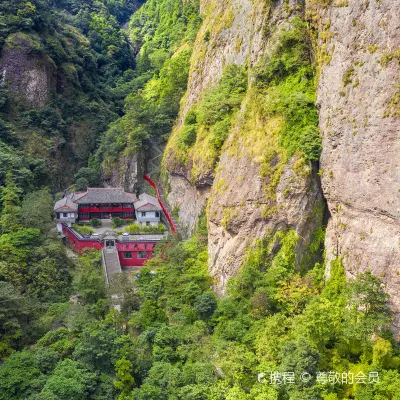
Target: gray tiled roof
x=147 y=203
x=106 y=195
x=68 y=203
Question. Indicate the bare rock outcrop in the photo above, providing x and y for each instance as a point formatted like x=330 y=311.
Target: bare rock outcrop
x=127 y=172
x=238 y=205
x=28 y=75
x=358 y=96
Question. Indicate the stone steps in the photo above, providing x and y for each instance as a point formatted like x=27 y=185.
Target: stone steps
x=111 y=263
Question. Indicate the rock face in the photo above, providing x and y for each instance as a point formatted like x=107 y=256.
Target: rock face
x=189 y=199
x=236 y=217
x=231 y=36
x=127 y=173
x=244 y=203
x=235 y=30
x=31 y=77
x=358 y=96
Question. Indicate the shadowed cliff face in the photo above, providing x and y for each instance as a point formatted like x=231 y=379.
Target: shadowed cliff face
x=30 y=78
x=358 y=96
x=127 y=173
x=251 y=186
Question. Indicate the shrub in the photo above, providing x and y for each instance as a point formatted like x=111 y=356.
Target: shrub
x=214 y=113
x=286 y=78
x=95 y=222
x=133 y=228
x=117 y=222
x=161 y=228
x=191 y=118
x=137 y=228
x=84 y=230
x=188 y=136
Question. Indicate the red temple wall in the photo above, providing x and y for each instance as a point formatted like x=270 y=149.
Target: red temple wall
x=78 y=244
x=134 y=247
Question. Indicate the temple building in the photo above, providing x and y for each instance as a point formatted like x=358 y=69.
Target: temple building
x=119 y=250
x=148 y=210
x=107 y=203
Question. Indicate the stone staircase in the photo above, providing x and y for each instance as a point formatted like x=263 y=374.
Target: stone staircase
x=111 y=263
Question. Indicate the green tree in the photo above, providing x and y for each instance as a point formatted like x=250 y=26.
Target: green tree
x=368 y=310
x=37 y=210
x=49 y=274
x=10 y=216
x=205 y=305
x=125 y=380
x=89 y=279
x=13 y=318
x=17 y=375
x=92 y=176
x=300 y=357
x=70 y=381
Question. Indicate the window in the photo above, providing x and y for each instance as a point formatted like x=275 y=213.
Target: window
x=147 y=223
x=58 y=215
x=65 y=215
x=127 y=254
x=157 y=214
x=143 y=213
x=141 y=254
x=127 y=214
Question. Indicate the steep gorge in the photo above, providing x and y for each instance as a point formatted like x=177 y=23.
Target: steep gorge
x=280 y=125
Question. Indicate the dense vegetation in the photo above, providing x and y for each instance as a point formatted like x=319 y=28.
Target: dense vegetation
x=207 y=124
x=175 y=340
x=164 y=31
x=84 y=50
x=286 y=79
x=61 y=337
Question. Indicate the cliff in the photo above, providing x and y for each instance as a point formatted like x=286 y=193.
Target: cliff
x=358 y=100
x=30 y=77
x=254 y=185
x=127 y=172
x=234 y=151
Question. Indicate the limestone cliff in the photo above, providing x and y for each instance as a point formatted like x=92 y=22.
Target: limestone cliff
x=358 y=98
x=251 y=186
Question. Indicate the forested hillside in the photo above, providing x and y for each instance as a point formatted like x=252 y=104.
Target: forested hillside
x=60 y=64
x=251 y=306
x=60 y=67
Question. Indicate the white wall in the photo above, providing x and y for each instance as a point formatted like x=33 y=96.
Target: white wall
x=69 y=215
x=150 y=216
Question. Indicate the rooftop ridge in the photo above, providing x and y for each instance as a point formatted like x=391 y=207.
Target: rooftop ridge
x=107 y=188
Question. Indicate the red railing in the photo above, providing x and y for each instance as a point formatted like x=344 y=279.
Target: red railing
x=166 y=213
